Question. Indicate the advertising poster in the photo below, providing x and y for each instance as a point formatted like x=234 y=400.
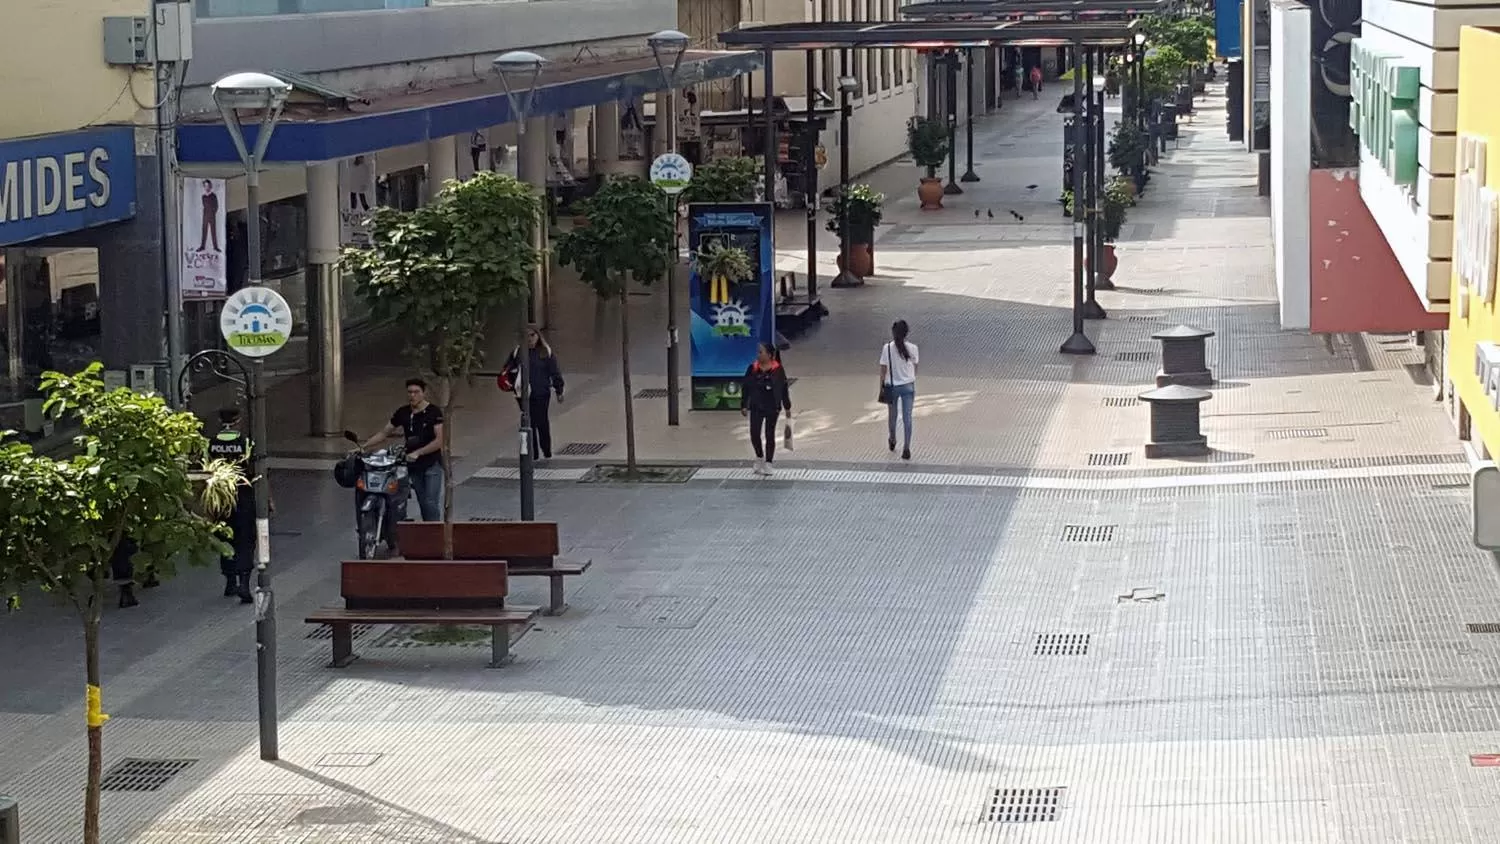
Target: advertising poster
x=632 y=131
x=356 y=198
x=204 y=273
x=729 y=319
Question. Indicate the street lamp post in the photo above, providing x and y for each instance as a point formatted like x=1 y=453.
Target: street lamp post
x=969 y=174
x=1093 y=186
x=266 y=94
x=950 y=110
x=1094 y=280
x=1078 y=343
x=518 y=71
x=848 y=85
x=668 y=47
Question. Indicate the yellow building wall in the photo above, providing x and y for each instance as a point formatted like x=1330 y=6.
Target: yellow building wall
x=1479 y=115
x=52 y=64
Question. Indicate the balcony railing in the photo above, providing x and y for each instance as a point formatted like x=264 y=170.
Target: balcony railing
x=257 y=8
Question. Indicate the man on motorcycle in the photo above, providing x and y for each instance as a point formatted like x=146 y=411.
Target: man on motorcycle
x=421 y=423
x=231 y=444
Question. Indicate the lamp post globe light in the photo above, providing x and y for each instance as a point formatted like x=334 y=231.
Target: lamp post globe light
x=668 y=48
x=519 y=71
x=266 y=94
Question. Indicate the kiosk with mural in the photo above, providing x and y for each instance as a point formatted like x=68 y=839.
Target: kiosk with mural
x=730 y=317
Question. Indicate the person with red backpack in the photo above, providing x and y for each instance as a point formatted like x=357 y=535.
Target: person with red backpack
x=763 y=395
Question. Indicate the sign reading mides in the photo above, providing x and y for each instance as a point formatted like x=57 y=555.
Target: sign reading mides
x=1476 y=227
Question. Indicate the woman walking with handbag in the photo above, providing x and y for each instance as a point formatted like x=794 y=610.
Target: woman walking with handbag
x=762 y=397
x=545 y=378
x=898 y=384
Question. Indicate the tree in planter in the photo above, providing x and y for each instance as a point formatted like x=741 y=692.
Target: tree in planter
x=927 y=141
x=629 y=236
x=1127 y=151
x=133 y=481
x=1117 y=199
x=864 y=208
x=723 y=180
x=440 y=272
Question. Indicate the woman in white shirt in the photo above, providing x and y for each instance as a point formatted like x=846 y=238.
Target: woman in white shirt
x=898 y=382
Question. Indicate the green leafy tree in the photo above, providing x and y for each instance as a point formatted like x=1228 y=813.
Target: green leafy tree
x=1162 y=71
x=723 y=180
x=441 y=271
x=1189 y=36
x=133 y=476
x=629 y=236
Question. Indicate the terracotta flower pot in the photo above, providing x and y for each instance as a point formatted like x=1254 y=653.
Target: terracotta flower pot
x=930 y=191
x=1109 y=263
x=861 y=260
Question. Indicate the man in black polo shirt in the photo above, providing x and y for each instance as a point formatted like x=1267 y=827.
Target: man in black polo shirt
x=421 y=424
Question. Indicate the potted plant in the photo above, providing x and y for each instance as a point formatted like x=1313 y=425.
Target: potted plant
x=1127 y=150
x=1117 y=198
x=927 y=141
x=863 y=206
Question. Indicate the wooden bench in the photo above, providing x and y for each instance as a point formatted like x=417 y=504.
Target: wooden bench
x=412 y=592
x=530 y=548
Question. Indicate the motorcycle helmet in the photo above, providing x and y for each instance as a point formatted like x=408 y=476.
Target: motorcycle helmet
x=346 y=472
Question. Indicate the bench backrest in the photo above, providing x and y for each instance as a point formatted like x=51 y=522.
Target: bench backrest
x=479 y=540
x=440 y=584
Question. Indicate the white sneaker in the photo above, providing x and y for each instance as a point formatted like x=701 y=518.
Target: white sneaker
x=767 y=469
x=758 y=467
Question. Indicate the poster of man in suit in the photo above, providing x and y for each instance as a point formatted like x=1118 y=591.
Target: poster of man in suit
x=203 y=216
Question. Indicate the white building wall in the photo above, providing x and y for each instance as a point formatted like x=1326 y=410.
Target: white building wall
x=1291 y=158
x=1417 y=219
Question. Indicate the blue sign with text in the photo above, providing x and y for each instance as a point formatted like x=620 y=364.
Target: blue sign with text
x=730 y=317
x=55 y=184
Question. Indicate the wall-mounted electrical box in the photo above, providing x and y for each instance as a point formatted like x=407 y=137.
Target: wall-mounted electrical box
x=165 y=37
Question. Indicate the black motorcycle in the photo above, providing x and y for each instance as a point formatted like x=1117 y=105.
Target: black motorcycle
x=381 y=485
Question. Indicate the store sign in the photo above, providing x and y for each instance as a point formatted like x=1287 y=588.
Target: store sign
x=255 y=321
x=1476 y=227
x=64 y=183
x=1384 y=111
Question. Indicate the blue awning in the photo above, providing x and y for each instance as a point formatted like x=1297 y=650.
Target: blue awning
x=414 y=118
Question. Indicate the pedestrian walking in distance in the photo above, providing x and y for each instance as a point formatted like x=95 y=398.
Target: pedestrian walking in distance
x=898 y=384
x=545 y=379
x=762 y=398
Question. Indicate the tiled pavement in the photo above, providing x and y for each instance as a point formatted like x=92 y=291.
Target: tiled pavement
x=1271 y=649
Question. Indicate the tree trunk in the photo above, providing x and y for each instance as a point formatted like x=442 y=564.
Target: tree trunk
x=447 y=457
x=630 y=467
x=94 y=716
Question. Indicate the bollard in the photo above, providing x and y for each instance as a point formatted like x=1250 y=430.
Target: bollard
x=10 y=821
x=1175 y=430
x=1184 y=357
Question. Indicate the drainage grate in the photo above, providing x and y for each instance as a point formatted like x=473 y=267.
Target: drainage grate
x=143 y=774
x=1145 y=318
x=1121 y=401
x=1024 y=805
x=654 y=393
x=1109 y=458
x=1140 y=595
x=1061 y=644
x=1133 y=357
x=608 y=473
x=355 y=630
x=1484 y=627
x=582 y=448
x=1297 y=433
x=1088 y=533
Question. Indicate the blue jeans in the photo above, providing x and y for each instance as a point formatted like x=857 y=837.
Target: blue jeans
x=903 y=395
x=427 y=488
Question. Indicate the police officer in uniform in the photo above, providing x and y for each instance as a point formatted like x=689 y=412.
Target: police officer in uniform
x=231 y=444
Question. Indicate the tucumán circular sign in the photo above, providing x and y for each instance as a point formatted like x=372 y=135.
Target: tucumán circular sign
x=255 y=321
x=671 y=172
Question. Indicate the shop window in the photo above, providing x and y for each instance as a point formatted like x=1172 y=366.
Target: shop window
x=51 y=322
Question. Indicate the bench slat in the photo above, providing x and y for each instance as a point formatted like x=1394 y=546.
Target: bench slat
x=339 y=615
x=478 y=540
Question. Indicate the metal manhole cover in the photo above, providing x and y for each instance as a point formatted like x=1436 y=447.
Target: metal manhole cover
x=1297 y=433
x=654 y=393
x=1484 y=627
x=1088 y=533
x=348 y=760
x=1061 y=644
x=665 y=612
x=582 y=448
x=1024 y=805
x=611 y=473
x=1121 y=401
x=1133 y=357
x=143 y=774
x=1109 y=458
x=357 y=631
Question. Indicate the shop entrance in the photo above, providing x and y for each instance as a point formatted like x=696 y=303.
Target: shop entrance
x=50 y=304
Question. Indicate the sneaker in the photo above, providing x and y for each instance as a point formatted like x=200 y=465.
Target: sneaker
x=891 y=443
x=767 y=469
x=906 y=453
x=758 y=466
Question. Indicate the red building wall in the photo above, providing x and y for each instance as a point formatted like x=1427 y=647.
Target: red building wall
x=1356 y=283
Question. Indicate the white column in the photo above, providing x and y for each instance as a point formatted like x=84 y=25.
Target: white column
x=442 y=163
x=324 y=300
x=607 y=137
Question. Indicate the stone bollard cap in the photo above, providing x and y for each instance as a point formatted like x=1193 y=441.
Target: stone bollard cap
x=1183 y=332
x=1175 y=394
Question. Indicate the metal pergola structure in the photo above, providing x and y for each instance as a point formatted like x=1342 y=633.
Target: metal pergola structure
x=1107 y=25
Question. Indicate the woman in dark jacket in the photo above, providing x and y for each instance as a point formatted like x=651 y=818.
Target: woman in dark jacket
x=762 y=397
x=545 y=379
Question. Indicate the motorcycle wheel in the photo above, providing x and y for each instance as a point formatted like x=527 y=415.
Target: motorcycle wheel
x=369 y=533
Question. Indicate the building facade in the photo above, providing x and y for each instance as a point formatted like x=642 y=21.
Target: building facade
x=79 y=214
